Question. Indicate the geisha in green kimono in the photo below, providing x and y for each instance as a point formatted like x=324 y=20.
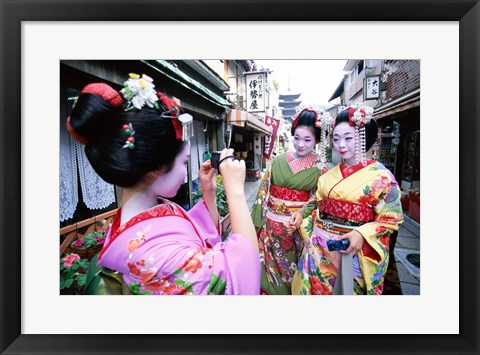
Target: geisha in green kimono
x=288 y=184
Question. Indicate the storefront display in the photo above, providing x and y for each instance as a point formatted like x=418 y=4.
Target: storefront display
x=388 y=153
x=411 y=163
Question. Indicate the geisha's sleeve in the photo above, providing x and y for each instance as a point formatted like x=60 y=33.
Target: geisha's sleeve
x=202 y=217
x=167 y=259
x=388 y=217
x=260 y=202
x=311 y=205
x=238 y=263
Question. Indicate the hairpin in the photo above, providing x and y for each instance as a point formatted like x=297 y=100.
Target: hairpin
x=324 y=122
x=359 y=115
x=130 y=142
x=181 y=123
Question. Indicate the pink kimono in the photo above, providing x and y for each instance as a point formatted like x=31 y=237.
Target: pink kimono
x=167 y=251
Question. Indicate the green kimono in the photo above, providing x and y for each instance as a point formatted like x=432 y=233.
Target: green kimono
x=287 y=186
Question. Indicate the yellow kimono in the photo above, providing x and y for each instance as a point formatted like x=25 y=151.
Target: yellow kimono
x=361 y=198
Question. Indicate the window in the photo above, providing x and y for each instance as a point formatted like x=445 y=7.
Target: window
x=357 y=70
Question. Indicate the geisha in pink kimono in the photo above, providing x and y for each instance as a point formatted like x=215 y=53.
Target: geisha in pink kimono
x=288 y=184
x=158 y=247
x=358 y=200
x=167 y=251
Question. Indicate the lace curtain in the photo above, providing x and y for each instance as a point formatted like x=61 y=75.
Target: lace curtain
x=96 y=193
x=68 y=177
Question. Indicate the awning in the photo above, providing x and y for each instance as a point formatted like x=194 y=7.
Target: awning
x=183 y=79
x=402 y=106
x=240 y=118
x=338 y=91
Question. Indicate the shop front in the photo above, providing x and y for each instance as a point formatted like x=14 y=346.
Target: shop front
x=83 y=193
x=247 y=138
x=399 y=149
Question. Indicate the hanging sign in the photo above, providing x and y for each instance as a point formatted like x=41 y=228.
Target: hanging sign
x=270 y=140
x=372 y=87
x=255 y=92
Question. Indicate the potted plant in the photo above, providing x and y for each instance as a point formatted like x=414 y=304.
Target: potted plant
x=89 y=245
x=73 y=274
x=222 y=204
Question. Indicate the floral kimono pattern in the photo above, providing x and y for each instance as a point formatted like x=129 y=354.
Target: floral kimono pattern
x=361 y=198
x=167 y=251
x=286 y=186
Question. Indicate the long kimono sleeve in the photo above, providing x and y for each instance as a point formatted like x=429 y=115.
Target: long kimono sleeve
x=388 y=217
x=260 y=202
x=166 y=256
x=239 y=263
x=211 y=230
x=311 y=205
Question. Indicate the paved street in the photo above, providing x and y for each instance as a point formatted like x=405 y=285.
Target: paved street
x=407 y=249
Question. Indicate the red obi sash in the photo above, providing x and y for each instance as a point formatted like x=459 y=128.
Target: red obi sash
x=289 y=194
x=347 y=210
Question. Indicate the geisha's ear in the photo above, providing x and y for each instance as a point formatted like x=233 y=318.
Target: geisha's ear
x=157 y=172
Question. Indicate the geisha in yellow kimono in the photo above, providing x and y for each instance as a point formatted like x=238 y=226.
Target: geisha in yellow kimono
x=358 y=200
x=288 y=184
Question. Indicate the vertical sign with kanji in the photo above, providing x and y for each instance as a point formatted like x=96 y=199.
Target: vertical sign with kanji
x=270 y=140
x=255 y=92
x=372 y=87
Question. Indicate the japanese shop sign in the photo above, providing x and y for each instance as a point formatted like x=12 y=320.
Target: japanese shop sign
x=255 y=92
x=270 y=140
x=372 y=87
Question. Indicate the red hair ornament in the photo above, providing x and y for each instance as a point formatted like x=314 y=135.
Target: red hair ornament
x=102 y=90
x=105 y=91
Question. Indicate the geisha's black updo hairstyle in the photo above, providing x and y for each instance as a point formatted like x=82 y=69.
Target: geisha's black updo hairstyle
x=371 y=128
x=97 y=121
x=307 y=118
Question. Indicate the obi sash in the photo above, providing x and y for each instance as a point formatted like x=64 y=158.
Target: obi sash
x=285 y=193
x=347 y=210
x=341 y=217
x=284 y=201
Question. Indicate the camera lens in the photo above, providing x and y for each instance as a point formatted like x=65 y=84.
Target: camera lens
x=215 y=159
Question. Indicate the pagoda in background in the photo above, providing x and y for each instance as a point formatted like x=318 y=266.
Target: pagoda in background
x=288 y=103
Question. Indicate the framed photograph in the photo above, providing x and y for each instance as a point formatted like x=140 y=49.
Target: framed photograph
x=36 y=35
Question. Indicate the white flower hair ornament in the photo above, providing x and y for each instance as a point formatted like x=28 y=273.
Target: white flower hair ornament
x=362 y=115
x=139 y=91
x=324 y=120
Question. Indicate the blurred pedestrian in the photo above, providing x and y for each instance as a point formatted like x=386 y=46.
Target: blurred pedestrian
x=140 y=141
x=287 y=185
x=357 y=201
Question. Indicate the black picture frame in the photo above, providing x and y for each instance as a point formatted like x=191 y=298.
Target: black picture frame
x=12 y=341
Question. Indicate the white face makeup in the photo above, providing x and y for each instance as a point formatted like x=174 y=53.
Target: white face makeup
x=168 y=184
x=303 y=141
x=344 y=142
